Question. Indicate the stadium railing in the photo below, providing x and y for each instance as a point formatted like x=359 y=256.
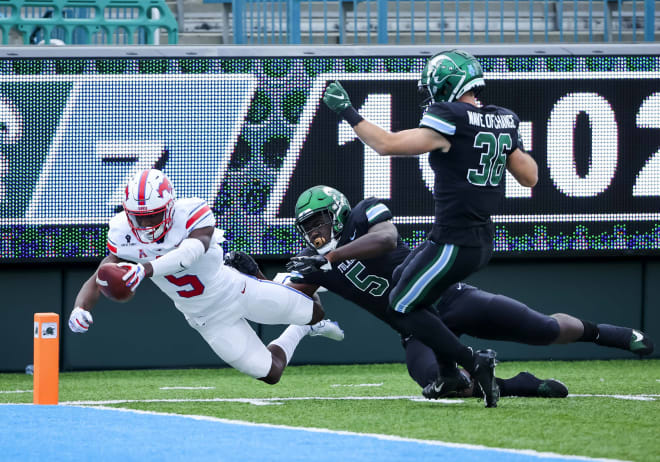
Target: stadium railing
x=96 y=22
x=436 y=21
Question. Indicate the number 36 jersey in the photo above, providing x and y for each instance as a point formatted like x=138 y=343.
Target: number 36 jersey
x=468 y=178
x=201 y=288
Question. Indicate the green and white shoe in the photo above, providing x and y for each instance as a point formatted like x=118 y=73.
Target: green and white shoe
x=552 y=388
x=640 y=343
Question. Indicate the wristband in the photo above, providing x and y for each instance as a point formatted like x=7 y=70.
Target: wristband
x=351 y=116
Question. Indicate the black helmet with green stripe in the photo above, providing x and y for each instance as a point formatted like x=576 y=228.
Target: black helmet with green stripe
x=449 y=75
x=328 y=202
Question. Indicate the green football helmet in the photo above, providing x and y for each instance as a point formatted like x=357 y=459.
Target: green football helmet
x=449 y=75
x=332 y=205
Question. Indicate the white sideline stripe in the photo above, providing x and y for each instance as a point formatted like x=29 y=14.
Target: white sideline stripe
x=261 y=401
x=258 y=401
x=628 y=397
x=334 y=385
x=187 y=388
x=475 y=447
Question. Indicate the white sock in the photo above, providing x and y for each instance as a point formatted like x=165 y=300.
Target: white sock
x=290 y=339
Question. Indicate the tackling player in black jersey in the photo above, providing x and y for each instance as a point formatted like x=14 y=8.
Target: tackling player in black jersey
x=469 y=146
x=355 y=252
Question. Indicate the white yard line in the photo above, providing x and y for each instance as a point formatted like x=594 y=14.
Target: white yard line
x=255 y=401
x=335 y=385
x=187 y=388
x=628 y=397
x=15 y=391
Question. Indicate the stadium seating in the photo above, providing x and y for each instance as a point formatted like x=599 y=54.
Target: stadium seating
x=326 y=21
x=417 y=22
x=99 y=22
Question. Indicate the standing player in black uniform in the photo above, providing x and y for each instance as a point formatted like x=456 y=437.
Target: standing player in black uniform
x=469 y=146
x=354 y=253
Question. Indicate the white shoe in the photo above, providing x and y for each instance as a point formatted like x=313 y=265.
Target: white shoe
x=327 y=328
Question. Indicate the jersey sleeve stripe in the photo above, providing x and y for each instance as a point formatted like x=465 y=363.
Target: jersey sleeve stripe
x=112 y=248
x=376 y=211
x=196 y=209
x=438 y=124
x=197 y=216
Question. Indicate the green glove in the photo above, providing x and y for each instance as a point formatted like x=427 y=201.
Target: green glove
x=336 y=98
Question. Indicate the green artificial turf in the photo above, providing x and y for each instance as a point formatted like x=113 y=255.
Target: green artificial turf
x=594 y=426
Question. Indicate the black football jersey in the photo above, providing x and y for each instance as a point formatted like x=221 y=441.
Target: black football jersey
x=468 y=185
x=365 y=282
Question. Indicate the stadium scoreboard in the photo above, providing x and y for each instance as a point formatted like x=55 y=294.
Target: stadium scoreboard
x=248 y=135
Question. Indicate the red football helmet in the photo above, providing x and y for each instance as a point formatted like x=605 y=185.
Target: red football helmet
x=149 y=205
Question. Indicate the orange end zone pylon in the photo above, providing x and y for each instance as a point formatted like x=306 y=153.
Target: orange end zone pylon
x=46 y=358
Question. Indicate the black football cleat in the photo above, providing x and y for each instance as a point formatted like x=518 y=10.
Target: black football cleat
x=640 y=343
x=447 y=385
x=484 y=375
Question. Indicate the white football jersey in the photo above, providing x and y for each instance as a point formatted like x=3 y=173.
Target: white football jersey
x=198 y=290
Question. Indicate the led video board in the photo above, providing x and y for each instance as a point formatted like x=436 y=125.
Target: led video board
x=248 y=135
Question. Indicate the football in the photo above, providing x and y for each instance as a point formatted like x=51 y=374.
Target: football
x=109 y=281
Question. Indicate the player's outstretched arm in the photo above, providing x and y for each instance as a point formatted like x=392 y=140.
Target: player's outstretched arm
x=404 y=143
x=380 y=239
x=175 y=261
x=412 y=142
x=80 y=318
x=523 y=168
x=187 y=253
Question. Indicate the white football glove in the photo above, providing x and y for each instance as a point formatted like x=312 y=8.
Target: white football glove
x=134 y=276
x=80 y=320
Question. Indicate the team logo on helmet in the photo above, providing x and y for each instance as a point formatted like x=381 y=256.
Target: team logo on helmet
x=165 y=185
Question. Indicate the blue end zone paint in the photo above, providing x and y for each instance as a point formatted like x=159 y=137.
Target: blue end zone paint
x=63 y=433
